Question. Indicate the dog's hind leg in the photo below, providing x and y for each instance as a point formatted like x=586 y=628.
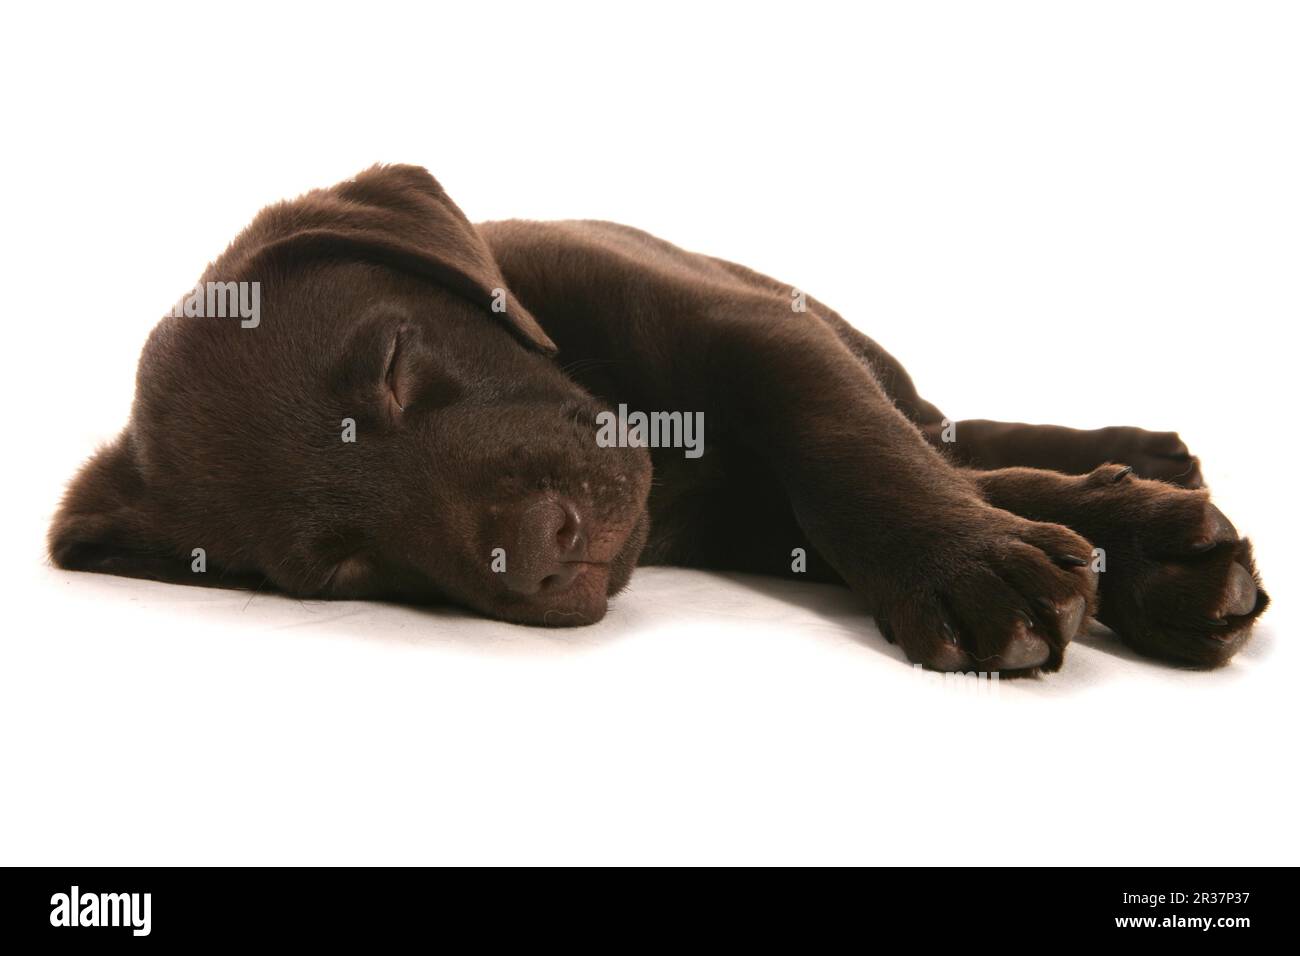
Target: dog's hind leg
x=986 y=445
x=1175 y=580
x=982 y=444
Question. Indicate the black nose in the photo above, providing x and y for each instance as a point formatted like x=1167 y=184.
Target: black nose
x=545 y=541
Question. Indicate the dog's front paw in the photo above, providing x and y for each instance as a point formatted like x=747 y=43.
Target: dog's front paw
x=1004 y=594
x=1179 y=582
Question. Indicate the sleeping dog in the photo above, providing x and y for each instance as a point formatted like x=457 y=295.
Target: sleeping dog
x=416 y=412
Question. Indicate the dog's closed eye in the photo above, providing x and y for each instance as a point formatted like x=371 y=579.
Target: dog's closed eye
x=412 y=375
x=398 y=384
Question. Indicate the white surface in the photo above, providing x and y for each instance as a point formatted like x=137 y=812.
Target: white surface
x=1111 y=189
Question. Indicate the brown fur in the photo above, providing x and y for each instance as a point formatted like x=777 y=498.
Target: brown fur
x=474 y=361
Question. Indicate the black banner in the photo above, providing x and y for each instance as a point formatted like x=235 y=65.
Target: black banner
x=139 y=906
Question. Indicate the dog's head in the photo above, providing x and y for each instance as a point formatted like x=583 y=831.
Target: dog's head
x=375 y=416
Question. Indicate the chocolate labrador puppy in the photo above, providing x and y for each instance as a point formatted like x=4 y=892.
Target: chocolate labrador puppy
x=404 y=405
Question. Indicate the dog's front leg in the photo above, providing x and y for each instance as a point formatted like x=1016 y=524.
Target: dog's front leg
x=958 y=583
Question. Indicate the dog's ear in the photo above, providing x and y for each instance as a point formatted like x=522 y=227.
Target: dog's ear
x=106 y=523
x=99 y=524
x=401 y=216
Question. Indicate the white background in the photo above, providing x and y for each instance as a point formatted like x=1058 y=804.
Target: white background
x=1108 y=190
